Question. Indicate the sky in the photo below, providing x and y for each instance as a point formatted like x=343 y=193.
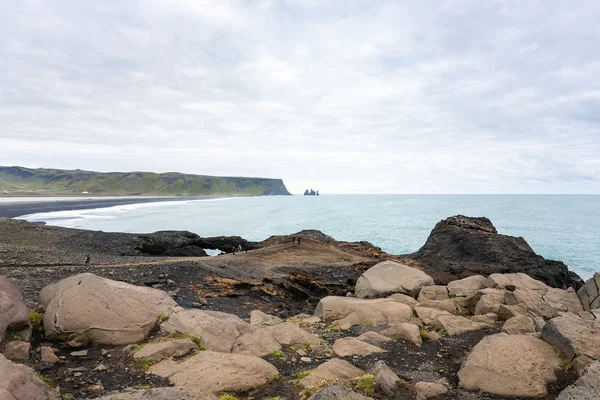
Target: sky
x=423 y=96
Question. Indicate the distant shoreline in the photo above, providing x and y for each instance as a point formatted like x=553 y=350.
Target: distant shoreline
x=17 y=209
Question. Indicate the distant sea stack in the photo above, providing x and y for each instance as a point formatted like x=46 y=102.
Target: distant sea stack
x=42 y=181
x=311 y=192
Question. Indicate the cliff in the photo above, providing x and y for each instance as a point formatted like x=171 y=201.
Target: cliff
x=57 y=181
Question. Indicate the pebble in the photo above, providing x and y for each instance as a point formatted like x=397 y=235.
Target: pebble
x=81 y=353
x=305 y=359
x=301 y=352
x=100 y=368
x=104 y=352
x=197 y=305
x=77 y=374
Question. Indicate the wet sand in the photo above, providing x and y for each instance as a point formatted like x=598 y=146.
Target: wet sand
x=17 y=209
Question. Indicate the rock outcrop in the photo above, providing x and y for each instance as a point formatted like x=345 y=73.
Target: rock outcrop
x=107 y=311
x=461 y=246
x=266 y=340
x=509 y=365
x=390 y=277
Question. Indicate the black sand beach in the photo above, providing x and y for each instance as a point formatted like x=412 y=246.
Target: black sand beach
x=17 y=209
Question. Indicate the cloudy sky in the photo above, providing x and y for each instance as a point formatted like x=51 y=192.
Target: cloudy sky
x=345 y=96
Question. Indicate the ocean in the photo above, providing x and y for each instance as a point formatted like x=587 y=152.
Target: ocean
x=558 y=227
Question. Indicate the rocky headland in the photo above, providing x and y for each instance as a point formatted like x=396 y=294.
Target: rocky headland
x=472 y=315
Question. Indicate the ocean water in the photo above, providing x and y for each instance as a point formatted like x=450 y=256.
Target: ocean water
x=559 y=227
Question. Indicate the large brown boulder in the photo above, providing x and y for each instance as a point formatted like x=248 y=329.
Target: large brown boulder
x=217 y=330
x=349 y=346
x=452 y=324
x=109 y=312
x=13 y=311
x=510 y=365
x=217 y=373
x=18 y=382
x=573 y=335
x=461 y=246
x=390 y=277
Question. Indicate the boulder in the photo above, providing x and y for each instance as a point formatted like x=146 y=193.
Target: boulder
x=532 y=300
x=426 y=390
x=166 y=393
x=563 y=300
x=589 y=294
x=13 y=311
x=453 y=324
x=354 y=311
x=350 y=346
x=374 y=338
x=18 y=382
x=585 y=388
x=17 y=350
x=434 y=292
x=109 y=312
x=215 y=372
x=573 y=335
x=510 y=365
x=468 y=286
x=390 y=277
x=163 y=350
x=48 y=356
x=259 y=318
x=580 y=364
x=404 y=331
x=517 y=281
x=489 y=301
x=455 y=306
x=519 y=325
x=490 y=319
x=335 y=391
x=218 y=331
x=461 y=246
x=404 y=299
x=334 y=370
x=385 y=380
x=266 y=340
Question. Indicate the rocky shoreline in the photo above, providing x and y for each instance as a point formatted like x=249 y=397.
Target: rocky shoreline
x=472 y=315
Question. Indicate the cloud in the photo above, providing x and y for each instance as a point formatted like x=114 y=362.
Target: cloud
x=346 y=97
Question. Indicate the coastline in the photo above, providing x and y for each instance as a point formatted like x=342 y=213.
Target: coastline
x=18 y=209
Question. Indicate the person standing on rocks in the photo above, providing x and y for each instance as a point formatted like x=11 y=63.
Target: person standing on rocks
x=239 y=248
x=298 y=240
x=233 y=250
x=87 y=260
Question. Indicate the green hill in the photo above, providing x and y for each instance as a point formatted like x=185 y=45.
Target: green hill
x=57 y=181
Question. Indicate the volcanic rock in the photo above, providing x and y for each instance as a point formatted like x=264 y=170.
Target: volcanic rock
x=461 y=246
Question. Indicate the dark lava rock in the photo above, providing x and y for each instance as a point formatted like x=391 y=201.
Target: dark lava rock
x=461 y=246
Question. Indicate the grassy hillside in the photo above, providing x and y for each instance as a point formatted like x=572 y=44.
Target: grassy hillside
x=57 y=181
